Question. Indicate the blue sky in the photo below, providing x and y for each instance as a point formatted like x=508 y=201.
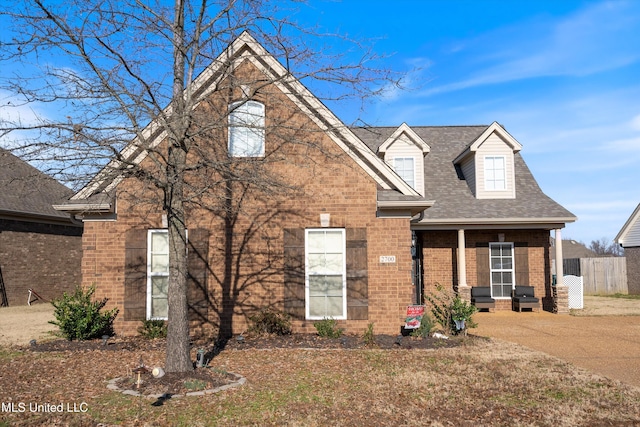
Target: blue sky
x=563 y=77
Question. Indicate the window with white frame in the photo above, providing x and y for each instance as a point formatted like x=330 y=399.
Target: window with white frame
x=325 y=274
x=502 y=269
x=246 y=129
x=157 y=274
x=495 y=173
x=405 y=167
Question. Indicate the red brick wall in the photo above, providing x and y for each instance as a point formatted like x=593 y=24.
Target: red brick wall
x=440 y=259
x=43 y=257
x=246 y=261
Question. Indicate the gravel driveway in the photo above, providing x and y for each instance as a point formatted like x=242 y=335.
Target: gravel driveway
x=603 y=338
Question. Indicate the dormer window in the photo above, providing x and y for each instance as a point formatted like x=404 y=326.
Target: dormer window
x=488 y=164
x=495 y=173
x=405 y=167
x=246 y=129
x=404 y=152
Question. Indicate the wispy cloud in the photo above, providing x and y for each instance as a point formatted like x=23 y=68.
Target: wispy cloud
x=572 y=46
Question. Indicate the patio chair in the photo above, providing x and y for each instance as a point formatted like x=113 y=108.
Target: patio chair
x=523 y=297
x=481 y=298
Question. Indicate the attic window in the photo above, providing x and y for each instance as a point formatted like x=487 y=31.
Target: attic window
x=405 y=167
x=246 y=129
x=495 y=173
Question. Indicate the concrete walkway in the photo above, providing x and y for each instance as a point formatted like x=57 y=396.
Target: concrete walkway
x=605 y=345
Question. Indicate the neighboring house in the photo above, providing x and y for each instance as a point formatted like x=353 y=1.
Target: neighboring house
x=374 y=217
x=629 y=239
x=572 y=249
x=40 y=248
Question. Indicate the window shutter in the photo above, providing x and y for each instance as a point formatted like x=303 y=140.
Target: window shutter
x=294 y=272
x=135 y=275
x=483 y=264
x=522 y=263
x=197 y=266
x=357 y=274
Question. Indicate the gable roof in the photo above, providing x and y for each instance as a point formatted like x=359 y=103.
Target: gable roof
x=496 y=128
x=406 y=130
x=27 y=194
x=629 y=235
x=455 y=205
x=246 y=48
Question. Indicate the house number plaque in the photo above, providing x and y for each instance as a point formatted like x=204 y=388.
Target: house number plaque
x=387 y=259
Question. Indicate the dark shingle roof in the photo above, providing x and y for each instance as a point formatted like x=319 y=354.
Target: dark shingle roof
x=453 y=197
x=27 y=192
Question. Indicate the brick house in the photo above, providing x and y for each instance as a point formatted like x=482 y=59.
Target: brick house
x=40 y=248
x=629 y=239
x=358 y=224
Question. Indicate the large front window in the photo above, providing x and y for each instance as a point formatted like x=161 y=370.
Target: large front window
x=325 y=278
x=246 y=129
x=157 y=274
x=502 y=270
x=495 y=173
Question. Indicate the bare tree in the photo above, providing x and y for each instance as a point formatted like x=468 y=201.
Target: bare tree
x=110 y=69
x=604 y=247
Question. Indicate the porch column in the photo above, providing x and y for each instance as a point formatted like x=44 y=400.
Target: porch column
x=560 y=291
x=464 y=291
x=462 y=262
x=559 y=266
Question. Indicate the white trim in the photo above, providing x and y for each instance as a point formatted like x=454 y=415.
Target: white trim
x=258 y=130
x=512 y=270
x=413 y=167
x=413 y=137
x=343 y=272
x=504 y=180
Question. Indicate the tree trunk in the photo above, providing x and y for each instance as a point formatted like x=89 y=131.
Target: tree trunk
x=178 y=357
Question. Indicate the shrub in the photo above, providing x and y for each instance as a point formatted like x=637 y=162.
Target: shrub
x=440 y=304
x=447 y=307
x=369 y=337
x=425 y=328
x=462 y=310
x=79 y=318
x=268 y=321
x=328 y=328
x=151 y=329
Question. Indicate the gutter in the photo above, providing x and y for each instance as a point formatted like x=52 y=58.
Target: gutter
x=415 y=207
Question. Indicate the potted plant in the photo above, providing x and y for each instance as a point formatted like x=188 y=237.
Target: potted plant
x=461 y=312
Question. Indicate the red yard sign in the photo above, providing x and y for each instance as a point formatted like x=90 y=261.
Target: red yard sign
x=414 y=316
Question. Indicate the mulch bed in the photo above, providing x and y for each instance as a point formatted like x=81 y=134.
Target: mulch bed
x=206 y=379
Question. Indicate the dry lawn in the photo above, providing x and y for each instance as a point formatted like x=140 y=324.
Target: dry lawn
x=483 y=382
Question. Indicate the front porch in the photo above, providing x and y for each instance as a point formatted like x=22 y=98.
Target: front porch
x=500 y=259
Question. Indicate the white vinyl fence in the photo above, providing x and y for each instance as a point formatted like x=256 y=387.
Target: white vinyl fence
x=576 y=291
